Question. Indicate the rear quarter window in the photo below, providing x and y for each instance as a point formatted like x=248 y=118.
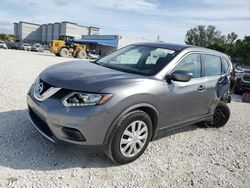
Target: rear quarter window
x=212 y=65
x=225 y=65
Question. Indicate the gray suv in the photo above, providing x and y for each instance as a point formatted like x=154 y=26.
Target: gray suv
x=121 y=102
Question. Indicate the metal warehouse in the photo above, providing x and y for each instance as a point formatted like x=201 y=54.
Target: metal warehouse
x=45 y=33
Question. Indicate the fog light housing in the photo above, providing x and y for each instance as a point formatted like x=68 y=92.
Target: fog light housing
x=73 y=134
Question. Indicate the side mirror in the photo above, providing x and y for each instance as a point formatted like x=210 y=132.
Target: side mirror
x=180 y=76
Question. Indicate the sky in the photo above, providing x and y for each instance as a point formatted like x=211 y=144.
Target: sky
x=170 y=19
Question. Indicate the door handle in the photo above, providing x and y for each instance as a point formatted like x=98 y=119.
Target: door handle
x=201 y=88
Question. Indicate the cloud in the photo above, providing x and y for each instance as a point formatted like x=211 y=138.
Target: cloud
x=142 y=18
x=5 y=23
x=33 y=3
x=60 y=2
x=5 y=27
x=128 y=5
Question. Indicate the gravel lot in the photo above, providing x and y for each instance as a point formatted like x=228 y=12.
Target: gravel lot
x=190 y=157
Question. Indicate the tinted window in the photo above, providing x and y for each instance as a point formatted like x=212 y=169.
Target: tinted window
x=212 y=65
x=190 y=63
x=225 y=65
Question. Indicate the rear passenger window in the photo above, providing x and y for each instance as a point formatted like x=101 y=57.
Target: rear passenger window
x=212 y=65
x=191 y=63
x=225 y=65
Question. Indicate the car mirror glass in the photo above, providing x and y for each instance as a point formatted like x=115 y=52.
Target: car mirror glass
x=181 y=76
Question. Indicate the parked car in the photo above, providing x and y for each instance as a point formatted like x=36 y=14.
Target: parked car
x=25 y=46
x=242 y=81
x=3 y=45
x=37 y=47
x=121 y=102
x=13 y=45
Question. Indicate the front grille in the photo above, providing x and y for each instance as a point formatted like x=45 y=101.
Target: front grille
x=43 y=90
x=39 y=123
x=246 y=77
x=46 y=86
x=245 y=86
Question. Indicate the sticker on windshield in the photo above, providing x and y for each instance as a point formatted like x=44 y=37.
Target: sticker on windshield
x=167 y=51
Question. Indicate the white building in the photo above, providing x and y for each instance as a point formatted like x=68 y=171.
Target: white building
x=25 y=30
x=45 y=33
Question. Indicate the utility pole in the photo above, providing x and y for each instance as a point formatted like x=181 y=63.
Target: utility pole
x=158 y=38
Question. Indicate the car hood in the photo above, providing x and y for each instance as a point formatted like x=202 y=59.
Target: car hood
x=86 y=76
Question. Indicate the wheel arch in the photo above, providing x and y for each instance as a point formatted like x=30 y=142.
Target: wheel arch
x=223 y=92
x=147 y=108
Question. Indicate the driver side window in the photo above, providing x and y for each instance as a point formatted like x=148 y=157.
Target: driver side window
x=191 y=63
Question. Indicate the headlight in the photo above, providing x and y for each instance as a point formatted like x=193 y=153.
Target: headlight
x=85 y=99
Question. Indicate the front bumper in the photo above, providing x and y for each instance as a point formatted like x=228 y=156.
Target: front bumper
x=51 y=118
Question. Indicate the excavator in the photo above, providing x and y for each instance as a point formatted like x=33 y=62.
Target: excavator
x=66 y=47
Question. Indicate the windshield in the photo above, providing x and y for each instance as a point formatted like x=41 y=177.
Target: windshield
x=36 y=45
x=138 y=59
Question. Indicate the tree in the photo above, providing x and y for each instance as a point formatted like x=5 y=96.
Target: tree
x=242 y=51
x=231 y=38
x=210 y=37
x=7 y=37
x=202 y=36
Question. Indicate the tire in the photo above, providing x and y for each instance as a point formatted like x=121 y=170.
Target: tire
x=81 y=54
x=221 y=116
x=64 y=52
x=124 y=152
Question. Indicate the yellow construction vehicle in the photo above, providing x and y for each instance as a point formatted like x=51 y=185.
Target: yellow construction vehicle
x=65 y=47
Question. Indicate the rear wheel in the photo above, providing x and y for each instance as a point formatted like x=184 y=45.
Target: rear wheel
x=221 y=116
x=130 y=138
x=81 y=54
x=64 y=52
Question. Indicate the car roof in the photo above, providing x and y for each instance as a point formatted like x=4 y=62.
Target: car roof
x=171 y=46
x=180 y=47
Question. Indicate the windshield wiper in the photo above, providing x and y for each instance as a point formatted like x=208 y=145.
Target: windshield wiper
x=96 y=62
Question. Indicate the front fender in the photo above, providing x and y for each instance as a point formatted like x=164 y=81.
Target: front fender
x=125 y=111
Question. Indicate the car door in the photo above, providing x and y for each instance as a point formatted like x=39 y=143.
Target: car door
x=216 y=80
x=186 y=101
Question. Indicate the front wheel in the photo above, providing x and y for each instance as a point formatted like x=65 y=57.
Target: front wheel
x=64 y=52
x=130 y=138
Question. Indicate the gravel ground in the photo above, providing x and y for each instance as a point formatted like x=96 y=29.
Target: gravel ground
x=190 y=157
